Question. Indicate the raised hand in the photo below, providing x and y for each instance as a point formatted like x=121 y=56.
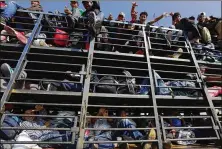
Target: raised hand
x=134 y=4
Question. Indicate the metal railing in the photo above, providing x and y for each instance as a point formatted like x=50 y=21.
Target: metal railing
x=140 y=52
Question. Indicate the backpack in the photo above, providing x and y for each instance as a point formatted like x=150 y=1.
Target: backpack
x=104 y=87
x=9 y=121
x=61 y=38
x=130 y=87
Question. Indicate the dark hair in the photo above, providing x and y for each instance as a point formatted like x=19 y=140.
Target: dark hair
x=175 y=15
x=144 y=13
x=192 y=18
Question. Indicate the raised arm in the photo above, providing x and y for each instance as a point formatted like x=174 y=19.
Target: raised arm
x=133 y=11
x=159 y=18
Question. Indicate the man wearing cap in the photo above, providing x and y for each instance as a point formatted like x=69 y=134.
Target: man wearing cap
x=35 y=6
x=74 y=14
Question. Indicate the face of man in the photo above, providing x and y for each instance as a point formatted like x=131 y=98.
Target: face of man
x=35 y=3
x=201 y=19
x=87 y=4
x=143 y=18
x=178 y=18
x=74 y=4
x=28 y=118
x=121 y=18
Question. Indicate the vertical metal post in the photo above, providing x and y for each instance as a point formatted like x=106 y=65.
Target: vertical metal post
x=152 y=88
x=20 y=64
x=85 y=96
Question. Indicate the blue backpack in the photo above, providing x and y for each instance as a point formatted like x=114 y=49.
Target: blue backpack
x=9 y=121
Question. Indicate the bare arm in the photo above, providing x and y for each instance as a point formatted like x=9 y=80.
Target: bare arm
x=159 y=18
x=133 y=11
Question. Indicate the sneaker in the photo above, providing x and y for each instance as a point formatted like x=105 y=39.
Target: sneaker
x=3 y=84
x=209 y=46
x=6 y=70
x=177 y=54
x=3 y=38
x=197 y=46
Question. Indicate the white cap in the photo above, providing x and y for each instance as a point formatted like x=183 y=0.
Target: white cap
x=202 y=14
x=122 y=14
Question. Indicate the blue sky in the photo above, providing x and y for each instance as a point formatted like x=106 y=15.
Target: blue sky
x=186 y=8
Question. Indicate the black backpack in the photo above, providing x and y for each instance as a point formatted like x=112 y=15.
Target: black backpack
x=105 y=86
x=130 y=87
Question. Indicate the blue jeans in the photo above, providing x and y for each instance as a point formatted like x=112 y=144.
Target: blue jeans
x=10 y=10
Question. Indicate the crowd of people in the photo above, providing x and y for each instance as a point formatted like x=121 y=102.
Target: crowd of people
x=205 y=34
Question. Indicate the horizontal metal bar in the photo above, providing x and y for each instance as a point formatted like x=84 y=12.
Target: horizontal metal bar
x=21 y=23
x=128 y=141
x=186 y=117
x=114 y=75
x=112 y=84
x=177 y=97
x=29 y=115
x=120 y=45
x=208 y=63
x=5 y=59
x=118 y=60
x=33 y=142
x=120 y=39
x=114 y=106
x=114 y=129
x=33 y=128
x=177 y=79
x=165 y=39
x=54 y=63
x=121 y=54
x=14 y=52
x=56 y=55
x=170 y=59
x=207 y=138
x=192 y=127
x=182 y=107
x=46 y=71
x=166 y=44
x=181 y=87
x=61 y=40
x=124 y=29
x=46 y=80
x=174 y=72
x=113 y=67
x=45 y=104
x=118 y=117
x=126 y=96
x=41 y=92
x=176 y=65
